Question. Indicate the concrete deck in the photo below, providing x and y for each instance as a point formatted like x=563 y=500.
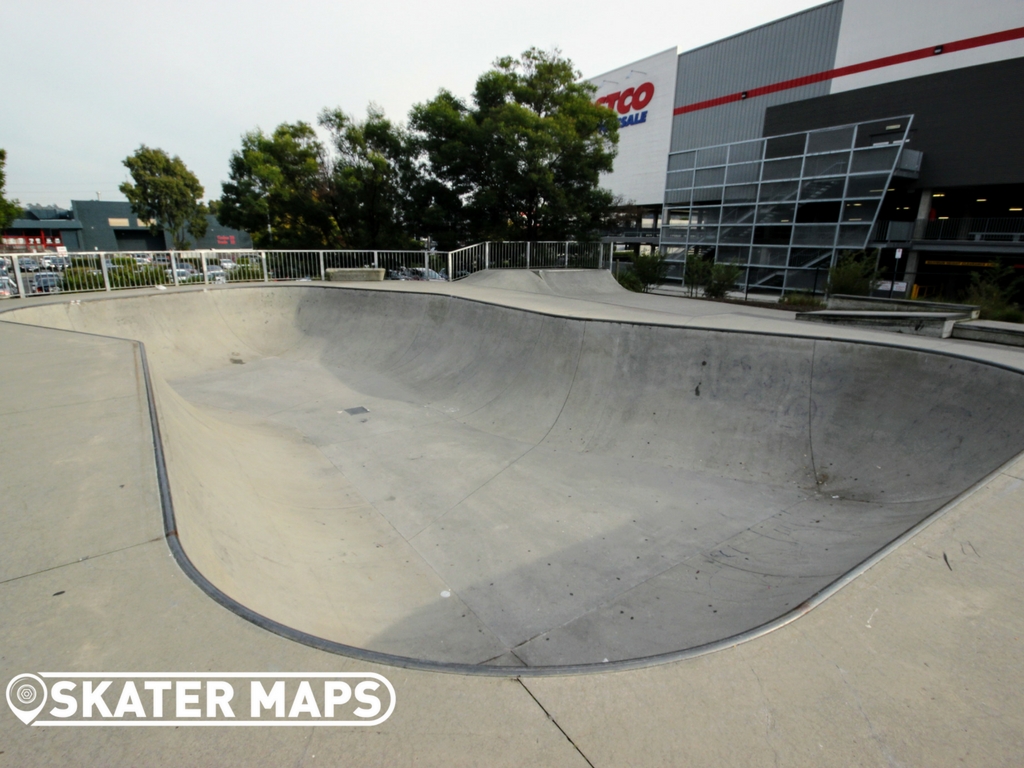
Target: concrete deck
x=912 y=662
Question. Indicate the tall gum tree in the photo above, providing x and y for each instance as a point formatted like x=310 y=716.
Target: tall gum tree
x=524 y=159
x=166 y=194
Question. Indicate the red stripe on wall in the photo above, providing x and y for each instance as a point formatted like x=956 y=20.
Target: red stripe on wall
x=853 y=69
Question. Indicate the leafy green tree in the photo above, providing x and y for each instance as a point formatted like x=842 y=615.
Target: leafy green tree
x=9 y=209
x=167 y=194
x=371 y=177
x=279 y=190
x=523 y=159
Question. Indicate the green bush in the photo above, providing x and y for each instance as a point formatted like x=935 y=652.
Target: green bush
x=82 y=279
x=722 y=279
x=650 y=270
x=993 y=292
x=852 y=276
x=697 y=273
x=630 y=281
x=246 y=272
x=801 y=299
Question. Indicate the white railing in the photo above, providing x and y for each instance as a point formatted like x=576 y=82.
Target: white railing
x=46 y=273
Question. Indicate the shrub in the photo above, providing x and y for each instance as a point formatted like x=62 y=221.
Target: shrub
x=801 y=299
x=696 y=274
x=630 y=281
x=82 y=279
x=852 y=276
x=722 y=278
x=650 y=270
x=993 y=292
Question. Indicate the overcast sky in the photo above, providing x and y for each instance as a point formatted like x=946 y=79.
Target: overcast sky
x=85 y=83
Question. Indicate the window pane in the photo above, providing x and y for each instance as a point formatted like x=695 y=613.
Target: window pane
x=821 y=189
x=809 y=257
x=712 y=156
x=860 y=211
x=745 y=194
x=703 y=234
x=827 y=165
x=677 y=196
x=827 y=141
x=773 y=256
x=874 y=159
x=745 y=152
x=736 y=234
x=731 y=255
x=737 y=214
x=705 y=215
x=867 y=186
x=777 y=235
x=775 y=214
x=739 y=174
x=708 y=177
x=785 y=146
x=783 y=190
x=854 y=235
x=782 y=169
x=814 y=234
x=707 y=195
x=679 y=180
x=818 y=212
x=680 y=162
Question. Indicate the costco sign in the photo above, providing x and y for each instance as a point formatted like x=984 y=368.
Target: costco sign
x=630 y=103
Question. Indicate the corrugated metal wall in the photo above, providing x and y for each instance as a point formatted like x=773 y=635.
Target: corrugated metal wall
x=798 y=45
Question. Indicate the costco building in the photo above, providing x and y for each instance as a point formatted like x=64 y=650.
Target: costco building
x=891 y=127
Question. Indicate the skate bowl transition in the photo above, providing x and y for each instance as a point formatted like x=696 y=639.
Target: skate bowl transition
x=434 y=480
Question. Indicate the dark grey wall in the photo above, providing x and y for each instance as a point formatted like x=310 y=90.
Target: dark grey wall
x=796 y=46
x=966 y=121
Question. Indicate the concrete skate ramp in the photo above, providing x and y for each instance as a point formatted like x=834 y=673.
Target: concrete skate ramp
x=446 y=480
x=575 y=283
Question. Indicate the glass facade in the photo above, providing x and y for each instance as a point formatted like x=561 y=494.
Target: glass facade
x=781 y=207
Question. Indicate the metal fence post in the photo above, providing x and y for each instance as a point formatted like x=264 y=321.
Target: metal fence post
x=202 y=263
x=566 y=265
x=487 y=255
x=323 y=268
x=263 y=261
x=451 y=267
x=17 y=276
x=375 y=263
x=527 y=254
x=106 y=277
x=426 y=259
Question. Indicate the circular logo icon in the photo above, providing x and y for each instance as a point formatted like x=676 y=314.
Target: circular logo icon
x=26 y=696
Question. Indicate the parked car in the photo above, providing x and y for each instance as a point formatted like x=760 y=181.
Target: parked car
x=8 y=288
x=184 y=274
x=215 y=274
x=28 y=264
x=161 y=258
x=46 y=282
x=227 y=264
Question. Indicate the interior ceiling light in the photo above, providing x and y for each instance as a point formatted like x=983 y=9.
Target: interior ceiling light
x=943 y=218
x=939 y=194
x=982 y=199
x=1017 y=209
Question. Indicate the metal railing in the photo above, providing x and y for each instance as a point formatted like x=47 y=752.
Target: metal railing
x=48 y=273
x=1005 y=229
x=529 y=255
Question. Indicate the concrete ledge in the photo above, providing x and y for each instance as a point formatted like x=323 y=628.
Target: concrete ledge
x=991 y=331
x=936 y=324
x=881 y=304
x=355 y=275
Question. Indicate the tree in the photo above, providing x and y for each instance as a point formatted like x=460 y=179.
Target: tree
x=371 y=177
x=524 y=160
x=9 y=209
x=166 y=194
x=279 y=189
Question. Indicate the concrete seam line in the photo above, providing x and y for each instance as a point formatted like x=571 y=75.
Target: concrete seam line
x=376 y=657
x=552 y=719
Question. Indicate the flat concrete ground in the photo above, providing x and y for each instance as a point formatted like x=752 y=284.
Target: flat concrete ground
x=912 y=663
